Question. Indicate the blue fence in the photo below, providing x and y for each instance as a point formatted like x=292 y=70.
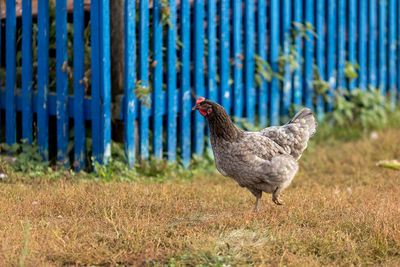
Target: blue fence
x=223 y=50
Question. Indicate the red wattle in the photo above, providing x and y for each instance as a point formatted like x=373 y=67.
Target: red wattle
x=202 y=112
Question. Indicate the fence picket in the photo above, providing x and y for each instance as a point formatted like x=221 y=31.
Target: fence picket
x=341 y=44
x=157 y=79
x=27 y=112
x=352 y=24
x=1 y=91
x=250 y=95
x=198 y=74
x=185 y=122
x=224 y=57
x=372 y=79
x=331 y=51
x=129 y=80
x=43 y=78
x=62 y=82
x=362 y=45
x=398 y=52
x=212 y=50
x=262 y=53
x=10 y=72
x=172 y=107
x=237 y=58
x=320 y=52
x=144 y=78
x=105 y=81
x=95 y=90
x=298 y=42
x=274 y=54
x=382 y=78
x=79 y=85
x=286 y=46
x=392 y=52
x=308 y=56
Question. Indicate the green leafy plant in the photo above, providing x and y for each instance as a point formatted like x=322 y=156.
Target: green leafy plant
x=143 y=91
x=365 y=109
x=302 y=30
x=350 y=70
x=165 y=13
x=264 y=71
x=26 y=158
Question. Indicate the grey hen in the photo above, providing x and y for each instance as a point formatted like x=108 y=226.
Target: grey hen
x=264 y=161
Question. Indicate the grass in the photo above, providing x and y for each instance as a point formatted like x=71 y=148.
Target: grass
x=341 y=209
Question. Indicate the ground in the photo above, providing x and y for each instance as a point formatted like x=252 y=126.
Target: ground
x=341 y=209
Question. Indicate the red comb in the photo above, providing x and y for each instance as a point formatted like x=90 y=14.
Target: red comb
x=201 y=99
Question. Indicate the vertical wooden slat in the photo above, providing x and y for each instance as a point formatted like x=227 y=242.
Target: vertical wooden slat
x=249 y=21
x=352 y=24
x=382 y=46
x=1 y=52
x=129 y=80
x=143 y=77
x=398 y=51
x=27 y=110
x=185 y=121
x=62 y=81
x=95 y=90
x=43 y=78
x=262 y=53
x=274 y=53
x=79 y=85
x=287 y=83
x=238 y=56
x=224 y=56
x=308 y=58
x=298 y=73
x=362 y=44
x=198 y=73
x=10 y=71
x=392 y=52
x=320 y=52
x=331 y=50
x=341 y=43
x=213 y=92
x=105 y=92
x=157 y=78
x=372 y=44
x=171 y=84
x=212 y=50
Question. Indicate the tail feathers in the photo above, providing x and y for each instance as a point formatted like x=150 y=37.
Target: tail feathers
x=306 y=119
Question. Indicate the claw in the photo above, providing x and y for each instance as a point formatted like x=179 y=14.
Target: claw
x=277 y=201
x=275 y=197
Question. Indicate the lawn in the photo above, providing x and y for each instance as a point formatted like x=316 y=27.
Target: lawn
x=341 y=209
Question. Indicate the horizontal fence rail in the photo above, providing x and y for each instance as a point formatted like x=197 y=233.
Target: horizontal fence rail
x=259 y=59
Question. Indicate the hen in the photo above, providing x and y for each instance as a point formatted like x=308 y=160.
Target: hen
x=264 y=161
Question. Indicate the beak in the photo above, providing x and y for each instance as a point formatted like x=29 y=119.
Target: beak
x=196 y=107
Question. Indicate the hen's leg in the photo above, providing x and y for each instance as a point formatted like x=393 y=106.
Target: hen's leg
x=256 y=206
x=275 y=197
x=257 y=194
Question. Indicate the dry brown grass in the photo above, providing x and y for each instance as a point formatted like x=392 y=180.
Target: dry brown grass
x=340 y=210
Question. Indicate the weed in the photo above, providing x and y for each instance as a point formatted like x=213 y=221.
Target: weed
x=26 y=158
x=25 y=251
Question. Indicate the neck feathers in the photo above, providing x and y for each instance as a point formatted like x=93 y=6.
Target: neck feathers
x=221 y=125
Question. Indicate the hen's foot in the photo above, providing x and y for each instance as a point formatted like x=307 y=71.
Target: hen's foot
x=275 y=197
x=277 y=201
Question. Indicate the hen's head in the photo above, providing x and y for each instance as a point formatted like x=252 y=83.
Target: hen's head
x=204 y=106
